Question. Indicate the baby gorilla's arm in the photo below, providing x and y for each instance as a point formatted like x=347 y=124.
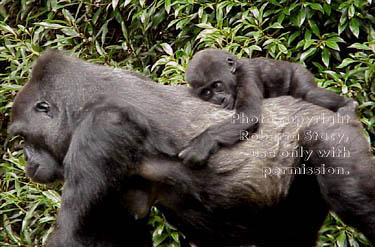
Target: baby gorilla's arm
x=228 y=132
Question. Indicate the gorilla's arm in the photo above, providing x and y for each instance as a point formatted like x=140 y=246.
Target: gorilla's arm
x=107 y=145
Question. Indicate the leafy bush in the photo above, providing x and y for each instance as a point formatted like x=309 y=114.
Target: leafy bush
x=334 y=39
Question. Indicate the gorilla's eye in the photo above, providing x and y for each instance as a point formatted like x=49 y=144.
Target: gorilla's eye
x=205 y=93
x=42 y=106
x=218 y=86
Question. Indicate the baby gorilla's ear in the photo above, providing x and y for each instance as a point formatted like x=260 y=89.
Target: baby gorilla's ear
x=232 y=63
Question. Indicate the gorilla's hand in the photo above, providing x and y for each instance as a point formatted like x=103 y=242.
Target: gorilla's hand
x=198 y=151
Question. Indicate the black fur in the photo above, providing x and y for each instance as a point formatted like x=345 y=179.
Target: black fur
x=220 y=78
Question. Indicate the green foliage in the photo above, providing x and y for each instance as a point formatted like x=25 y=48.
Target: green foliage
x=334 y=39
x=27 y=209
x=336 y=233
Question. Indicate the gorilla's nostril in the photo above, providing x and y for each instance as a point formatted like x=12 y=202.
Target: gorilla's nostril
x=222 y=101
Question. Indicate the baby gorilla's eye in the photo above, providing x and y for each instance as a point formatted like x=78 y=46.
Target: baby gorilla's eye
x=206 y=93
x=42 y=106
x=217 y=86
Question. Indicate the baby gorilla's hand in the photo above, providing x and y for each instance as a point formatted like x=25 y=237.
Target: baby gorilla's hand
x=198 y=151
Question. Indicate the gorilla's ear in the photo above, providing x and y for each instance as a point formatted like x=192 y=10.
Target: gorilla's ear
x=232 y=63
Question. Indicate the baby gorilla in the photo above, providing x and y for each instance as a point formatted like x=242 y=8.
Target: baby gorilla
x=219 y=77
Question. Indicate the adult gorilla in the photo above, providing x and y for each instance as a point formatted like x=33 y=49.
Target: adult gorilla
x=113 y=135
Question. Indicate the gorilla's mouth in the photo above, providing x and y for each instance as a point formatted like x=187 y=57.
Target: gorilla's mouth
x=41 y=167
x=31 y=169
x=41 y=174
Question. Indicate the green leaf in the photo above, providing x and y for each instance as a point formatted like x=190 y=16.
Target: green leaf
x=205 y=25
x=167 y=6
x=317 y=6
x=274 y=2
x=332 y=44
x=70 y=32
x=301 y=17
x=337 y=39
x=104 y=31
x=341 y=240
x=124 y=30
x=327 y=9
x=28 y=216
x=114 y=4
x=275 y=25
x=175 y=236
x=354 y=26
x=3 y=11
x=308 y=43
x=307 y=35
x=53 y=4
x=344 y=17
x=126 y=3
x=255 y=12
x=167 y=49
x=308 y=53
x=360 y=46
x=356 y=85
x=50 y=25
x=300 y=44
x=341 y=28
x=96 y=16
x=333 y=75
x=314 y=27
x=293 y=37
x=68 y=16
x=351 y=11
x=7 y=28
x=345 y=63
x=99 y=49
x=282 y=48
x=280 y=18
x=326 y=55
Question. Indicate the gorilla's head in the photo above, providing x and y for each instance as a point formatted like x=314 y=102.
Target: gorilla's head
x=45 y=109
x=40 y=118
x=211 y=74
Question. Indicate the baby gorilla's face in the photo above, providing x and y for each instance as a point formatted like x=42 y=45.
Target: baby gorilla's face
x=217 y=92
x=211 y=75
